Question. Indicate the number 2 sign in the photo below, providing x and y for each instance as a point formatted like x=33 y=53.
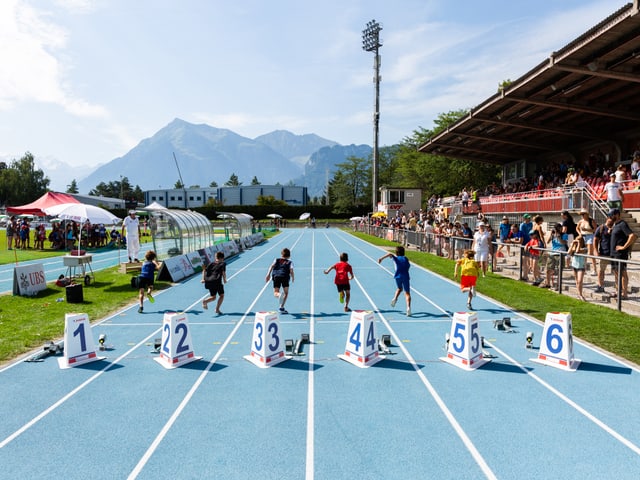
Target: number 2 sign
x=176 y=348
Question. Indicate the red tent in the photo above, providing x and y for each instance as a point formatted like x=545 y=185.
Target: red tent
x=45 y=201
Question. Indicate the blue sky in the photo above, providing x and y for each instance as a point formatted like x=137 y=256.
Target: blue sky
x=84 y=81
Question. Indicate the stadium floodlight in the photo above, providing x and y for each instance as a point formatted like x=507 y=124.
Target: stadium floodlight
x=371 y=43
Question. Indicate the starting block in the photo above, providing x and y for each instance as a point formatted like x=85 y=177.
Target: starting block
x=176 y=348
x=464 y=348
x=78 y=341
x=556 y=345
x=362 y=344
x=267 y=348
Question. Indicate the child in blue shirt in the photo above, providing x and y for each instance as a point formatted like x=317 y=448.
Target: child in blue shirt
x=401 y=276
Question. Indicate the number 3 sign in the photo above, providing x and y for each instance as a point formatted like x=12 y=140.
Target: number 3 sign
x=267 y=347
x=556 y=346
x=176 y=348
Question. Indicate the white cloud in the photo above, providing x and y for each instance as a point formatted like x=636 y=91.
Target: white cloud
x=29 y=68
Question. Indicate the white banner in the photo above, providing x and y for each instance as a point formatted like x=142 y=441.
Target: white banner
x=28 y=280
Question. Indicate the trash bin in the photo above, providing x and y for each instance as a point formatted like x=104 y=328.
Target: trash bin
x=74 y=293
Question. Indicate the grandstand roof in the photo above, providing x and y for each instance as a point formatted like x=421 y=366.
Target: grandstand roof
x=587 y=92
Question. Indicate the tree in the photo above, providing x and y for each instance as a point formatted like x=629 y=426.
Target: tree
x=118 y=189
x=270 y=200
x=255 y=181
x=233 y=181
x=178 y=185
x=21 y=182
x=350 y=185
x=72 y=187
x=213 y=184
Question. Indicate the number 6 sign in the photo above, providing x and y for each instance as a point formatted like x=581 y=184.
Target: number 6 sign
x=176 y=348
x=267 y=346
x=78 y=341
x=556 y=345
x=465 y=344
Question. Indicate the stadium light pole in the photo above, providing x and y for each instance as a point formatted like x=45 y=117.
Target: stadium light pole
x=371 y=43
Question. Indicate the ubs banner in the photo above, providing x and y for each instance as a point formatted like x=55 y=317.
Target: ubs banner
x=28 y=280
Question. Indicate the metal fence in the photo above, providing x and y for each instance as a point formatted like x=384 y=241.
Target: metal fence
x=512 y=261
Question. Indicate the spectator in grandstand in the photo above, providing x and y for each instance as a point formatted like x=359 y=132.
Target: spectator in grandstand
x=586 y=227
x=615 y=197
x=635 y=166
x=602 y=243
x=622 y=239
x=538 y=220
x=621 y=173
x=515 y=236
x=464 y=196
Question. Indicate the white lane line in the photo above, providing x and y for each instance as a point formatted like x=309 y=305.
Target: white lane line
x=187 y=398
x=310 y=456
x=475 y=453
x=46 y=412
x=570 y=402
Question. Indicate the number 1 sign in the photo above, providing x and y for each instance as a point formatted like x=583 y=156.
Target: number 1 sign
x=465 y=344
x=362 y=344
x=556 y=346
x=78 y=341
x=176 y=348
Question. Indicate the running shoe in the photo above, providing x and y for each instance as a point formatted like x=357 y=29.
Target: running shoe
x=408 y=312
x=393 y=302
x=151 y=299
x=140 y=310
x=282 y=310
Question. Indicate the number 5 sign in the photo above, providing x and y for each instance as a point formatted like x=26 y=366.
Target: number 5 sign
x=78 y=341
x=267 y=347
x=362 y=344
x=556 y=346
x=176 y=348
x=465 y=344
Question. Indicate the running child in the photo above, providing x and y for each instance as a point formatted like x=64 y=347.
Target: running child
x=281 y=271
x=146 y=278
x=214 y=276
x=401 y=276
x=469 y=271
x=344 y=273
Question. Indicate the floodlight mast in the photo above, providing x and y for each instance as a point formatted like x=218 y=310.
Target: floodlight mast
x=371 y=43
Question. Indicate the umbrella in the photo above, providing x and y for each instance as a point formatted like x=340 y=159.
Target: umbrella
x=81 y=212
x=378 y=215
x=274 y=215
x=304 y=216
x=355 y=219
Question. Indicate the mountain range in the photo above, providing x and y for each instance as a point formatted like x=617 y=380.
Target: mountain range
x=200 y=154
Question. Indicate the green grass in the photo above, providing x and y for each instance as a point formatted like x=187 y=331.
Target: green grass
x=609 y=329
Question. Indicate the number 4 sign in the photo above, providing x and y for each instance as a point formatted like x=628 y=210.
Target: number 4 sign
x=176 y=348
x=362 y=344
x=267 y=347
x=556 y=346
x=465 y=344
x=78 y=341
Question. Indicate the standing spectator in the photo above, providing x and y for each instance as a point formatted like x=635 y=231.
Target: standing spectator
x=621 y=173
x=515 y=236
x=602 y=243
x=481 y=246
x=401 y=276
x=12 y=229
x=525 y=228
x=586 y=227
x=635 y=166
x=568 y=227
x=344 y=274
x=558 y=242
x=577 y=251
x=131 y=231
x=504 y=231
x=464 y=196
x=615 y=197
x=532 y=249
x=622 y=239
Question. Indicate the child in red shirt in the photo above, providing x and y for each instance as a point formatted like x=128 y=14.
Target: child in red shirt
x=344 y=273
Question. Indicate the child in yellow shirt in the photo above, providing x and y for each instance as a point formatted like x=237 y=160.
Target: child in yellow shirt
x=469 y=270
